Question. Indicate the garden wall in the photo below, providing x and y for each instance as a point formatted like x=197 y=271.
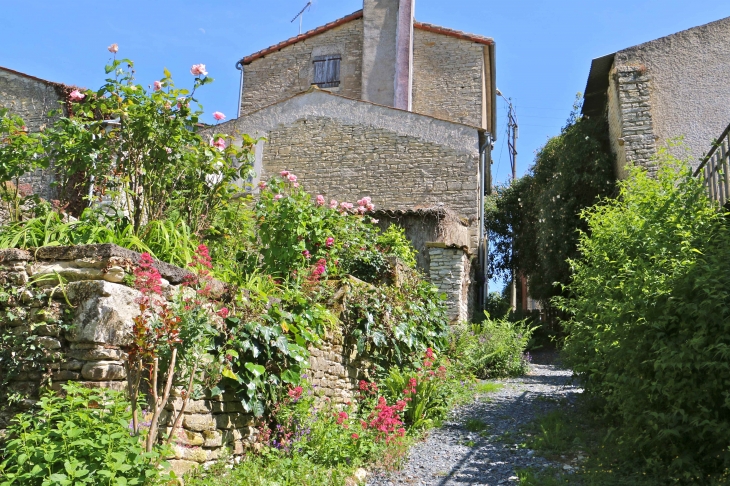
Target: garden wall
x=78 y=331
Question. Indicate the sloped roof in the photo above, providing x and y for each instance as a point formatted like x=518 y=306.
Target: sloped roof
x=354 y=16
x=51 y=83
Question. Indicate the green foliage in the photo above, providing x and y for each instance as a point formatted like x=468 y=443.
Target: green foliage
x=168 y=240
x=393 y=241
x=82 y=438
x=427 y=402
x=651 y=328
x=533 y=223
x=20 y=153
x=493 y=349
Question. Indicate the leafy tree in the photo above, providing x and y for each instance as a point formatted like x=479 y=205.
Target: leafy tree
x=533 y=223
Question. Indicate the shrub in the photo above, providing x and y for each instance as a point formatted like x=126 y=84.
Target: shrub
x=493 y=348
x=651 y=326
x=81 y=438
x=424 y=391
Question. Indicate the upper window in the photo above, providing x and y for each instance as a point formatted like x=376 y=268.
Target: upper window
x=327 y=71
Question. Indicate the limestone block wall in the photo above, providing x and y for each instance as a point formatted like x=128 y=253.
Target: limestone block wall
x=289 y=71
x=631 y=125
x=335 y=370
x=450 y=271
x=447 y=77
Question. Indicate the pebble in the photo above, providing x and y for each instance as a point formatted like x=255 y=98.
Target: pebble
x=448 y=458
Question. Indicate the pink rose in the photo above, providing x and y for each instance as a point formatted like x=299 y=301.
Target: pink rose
x=329 y=242
x=278 y=196
x=76 y=95
x=306 y=254
x=113 y=48
x=284 y=173
x=219 y=143
x=364 y=201
x=219 y=116
x=345 y=206
x=361 y=209
x=370 y=207
x=374 y=221
x=292 y=178
x=157 y=85
x=262 y=185
x=320 y=200
x=296 y=184
x=168 y=150
x=333 y=204
x=198 y=69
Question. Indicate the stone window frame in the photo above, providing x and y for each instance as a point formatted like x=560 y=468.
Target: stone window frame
x=327 y=70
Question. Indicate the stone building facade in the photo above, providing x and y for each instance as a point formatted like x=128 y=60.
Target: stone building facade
x=32 y=99
x=398 y=110
x=674 y=86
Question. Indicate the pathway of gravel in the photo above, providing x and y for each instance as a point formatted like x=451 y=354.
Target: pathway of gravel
x=453 y=455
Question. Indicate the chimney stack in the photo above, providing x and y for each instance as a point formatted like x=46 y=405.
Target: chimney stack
x=387 y=55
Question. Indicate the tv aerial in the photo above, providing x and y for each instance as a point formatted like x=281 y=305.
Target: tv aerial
x=300 y=15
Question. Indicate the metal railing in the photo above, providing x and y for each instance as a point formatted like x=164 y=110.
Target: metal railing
x=715 y=169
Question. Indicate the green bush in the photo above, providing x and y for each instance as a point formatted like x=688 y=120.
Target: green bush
x=651 y=326
x=82 y=438
x=493 y=348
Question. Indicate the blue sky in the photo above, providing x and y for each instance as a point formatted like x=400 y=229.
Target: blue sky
x=544 y=48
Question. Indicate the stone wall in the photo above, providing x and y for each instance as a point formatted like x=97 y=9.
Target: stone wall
x=290 y=70
x=450 y=270
x=630 y=118
x=84 y=328
x=32 y=99
x=447 y=77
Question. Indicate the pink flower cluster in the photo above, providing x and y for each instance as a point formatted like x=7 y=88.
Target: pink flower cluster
x=329 y=242
x=76 y=95
x=295 y=393
x=364 y=205
x=386 y=420
x=219 y=143
x=147 y=278
x=320 y=200
x=290 y=177
x=157 y=85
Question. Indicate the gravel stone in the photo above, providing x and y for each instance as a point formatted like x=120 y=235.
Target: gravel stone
x=447 y=456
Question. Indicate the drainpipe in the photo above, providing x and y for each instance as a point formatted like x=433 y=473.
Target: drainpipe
x=239 y=66
x=485 y=188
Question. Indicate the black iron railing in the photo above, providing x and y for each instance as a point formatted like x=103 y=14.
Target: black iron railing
x=714 y=169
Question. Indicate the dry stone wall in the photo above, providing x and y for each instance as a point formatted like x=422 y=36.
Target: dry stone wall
x=290 y=70
x=81 y=330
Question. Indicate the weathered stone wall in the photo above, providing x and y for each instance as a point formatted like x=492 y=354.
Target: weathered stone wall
x=345 y=149
x=450 y=270
x=447 y=77
x=630 y=118
x=84 y=329
x=32 y=99
x=688 y=81
x=289 y=71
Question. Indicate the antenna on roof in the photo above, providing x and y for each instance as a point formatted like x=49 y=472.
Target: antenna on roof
x=300 y=15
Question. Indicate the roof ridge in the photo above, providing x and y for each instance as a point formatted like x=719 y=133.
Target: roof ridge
x=53 y=83
x=293 y=40
x=437 y=29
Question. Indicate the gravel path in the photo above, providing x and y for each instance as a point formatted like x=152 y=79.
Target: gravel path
x=453 y=455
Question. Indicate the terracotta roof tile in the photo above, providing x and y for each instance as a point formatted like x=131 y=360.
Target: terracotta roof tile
x=453 y=33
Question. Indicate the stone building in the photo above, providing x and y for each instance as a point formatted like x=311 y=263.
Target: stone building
x=377 y=104
x=32 y=99
x=673 y=86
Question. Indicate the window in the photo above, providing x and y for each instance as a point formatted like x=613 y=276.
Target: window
x=327 y=71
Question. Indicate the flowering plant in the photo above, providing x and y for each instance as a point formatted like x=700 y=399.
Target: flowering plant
x=124 y=140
